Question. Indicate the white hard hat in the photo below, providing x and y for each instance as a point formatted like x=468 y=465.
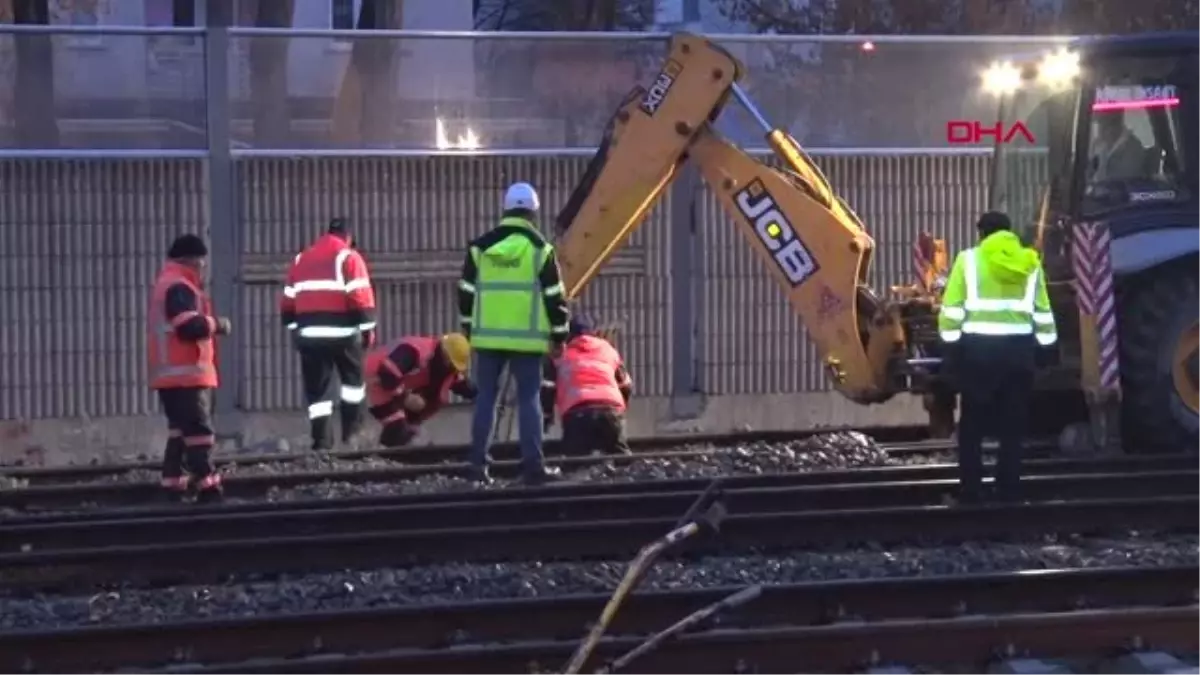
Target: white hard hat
x=521 y=196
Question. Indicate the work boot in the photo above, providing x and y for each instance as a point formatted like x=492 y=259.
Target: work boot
x=209 y=490
x=542 y=476
x=174 y=488
x=479 y=475
x=321 y=431
x=351 y=422
x=210 y=496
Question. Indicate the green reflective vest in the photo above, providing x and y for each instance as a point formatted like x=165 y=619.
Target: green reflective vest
x=510 y=313
x=997 y=288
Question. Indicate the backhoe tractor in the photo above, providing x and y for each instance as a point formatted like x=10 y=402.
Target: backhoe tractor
x=872 y=346
x=1108 y=192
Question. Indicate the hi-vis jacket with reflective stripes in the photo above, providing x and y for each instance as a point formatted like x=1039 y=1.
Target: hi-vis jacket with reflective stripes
x=328 y=292
x=997 y=288
x=510 y=294
x=180 y=327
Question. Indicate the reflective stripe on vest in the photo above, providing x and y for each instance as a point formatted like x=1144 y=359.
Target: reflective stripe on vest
x=337 y=284
x=535 y=306
x=974 y=303
x=162 y=336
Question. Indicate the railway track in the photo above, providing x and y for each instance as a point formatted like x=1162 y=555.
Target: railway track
x=99 y=493
x=910 y=438
x=865 y=476
x=543 y=630
x=817 y=491
x=764 y=518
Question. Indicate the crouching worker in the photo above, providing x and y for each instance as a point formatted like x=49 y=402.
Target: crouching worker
x=411 y=378
x=589 y=388
x=181 y=341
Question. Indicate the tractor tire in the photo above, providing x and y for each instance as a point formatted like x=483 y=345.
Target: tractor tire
x=1158 y=331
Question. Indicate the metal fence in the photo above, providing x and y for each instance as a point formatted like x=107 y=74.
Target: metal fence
x=161 y=133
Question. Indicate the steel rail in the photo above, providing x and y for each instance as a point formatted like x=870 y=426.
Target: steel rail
x=972 y=641
x=203 y=561
x=91 y=649
x=653 y=501
x=911 y=438
x=919 y=472
x=102 y=494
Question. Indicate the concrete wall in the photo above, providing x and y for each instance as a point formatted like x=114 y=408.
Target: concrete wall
x=80 y=242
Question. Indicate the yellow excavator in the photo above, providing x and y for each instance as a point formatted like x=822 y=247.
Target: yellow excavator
x=873 y=346
x=811 y=241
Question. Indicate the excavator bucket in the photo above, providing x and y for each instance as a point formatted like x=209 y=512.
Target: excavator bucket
x=625 y=178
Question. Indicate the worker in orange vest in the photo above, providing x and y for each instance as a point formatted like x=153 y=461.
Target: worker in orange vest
x=411 y=378
x=589 y=387
x=328 y=305
x=180 y=333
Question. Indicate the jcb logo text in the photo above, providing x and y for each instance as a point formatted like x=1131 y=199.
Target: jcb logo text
x=776 y=233
x=662 y=84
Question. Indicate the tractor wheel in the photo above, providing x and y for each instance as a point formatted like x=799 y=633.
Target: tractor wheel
x=1159 y=339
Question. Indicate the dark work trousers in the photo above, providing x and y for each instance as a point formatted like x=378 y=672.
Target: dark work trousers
x=324 y=365
x=188 y=456
x=594 y=427
x=995 y=375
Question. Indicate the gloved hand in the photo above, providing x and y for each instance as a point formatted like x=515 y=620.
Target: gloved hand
x=224 y=325
x=368 y=339
x=413 y=403
x=467 y=390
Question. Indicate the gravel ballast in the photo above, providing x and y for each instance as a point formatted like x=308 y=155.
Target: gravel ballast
x=834 y=450
x=476 y=581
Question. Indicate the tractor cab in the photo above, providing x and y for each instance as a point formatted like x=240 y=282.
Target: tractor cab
x=1109 y=147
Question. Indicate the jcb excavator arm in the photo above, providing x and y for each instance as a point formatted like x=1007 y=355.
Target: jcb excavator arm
x=811 y=242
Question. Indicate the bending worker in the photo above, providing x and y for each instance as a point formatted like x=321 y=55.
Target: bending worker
x=181 y=331
x=589 y=387
x=995 y=314
x=512 y=306
x=411 y=378
x=329 y=307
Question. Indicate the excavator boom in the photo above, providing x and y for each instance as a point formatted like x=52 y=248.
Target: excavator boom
x=811 y=242
x=640 y=154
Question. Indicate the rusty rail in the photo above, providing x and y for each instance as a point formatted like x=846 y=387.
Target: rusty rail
x=911 y=438
x=766 y=494
x=102 y=494
x=92 y=649
x=972 y=642
x=175 y=562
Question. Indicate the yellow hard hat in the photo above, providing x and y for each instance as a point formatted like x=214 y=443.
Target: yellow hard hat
x=457 y=349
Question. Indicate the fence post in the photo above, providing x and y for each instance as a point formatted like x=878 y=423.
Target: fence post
x=684 y=273
x=222 y=213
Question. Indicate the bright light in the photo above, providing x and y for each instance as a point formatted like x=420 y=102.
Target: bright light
x=1002 y=78
x=1059 y=68
x=465 y=141
x=1106 y=106
x=868 y=46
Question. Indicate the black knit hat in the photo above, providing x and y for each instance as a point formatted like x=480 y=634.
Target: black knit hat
x=187 y=246
x=993 y=221
x=339 y=226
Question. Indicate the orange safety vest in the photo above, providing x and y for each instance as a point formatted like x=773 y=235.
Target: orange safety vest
x=174 y=362
x=415 y=381
x=587 y=374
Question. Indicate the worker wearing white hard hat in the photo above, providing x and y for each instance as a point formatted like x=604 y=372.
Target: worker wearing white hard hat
x=513 y=308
